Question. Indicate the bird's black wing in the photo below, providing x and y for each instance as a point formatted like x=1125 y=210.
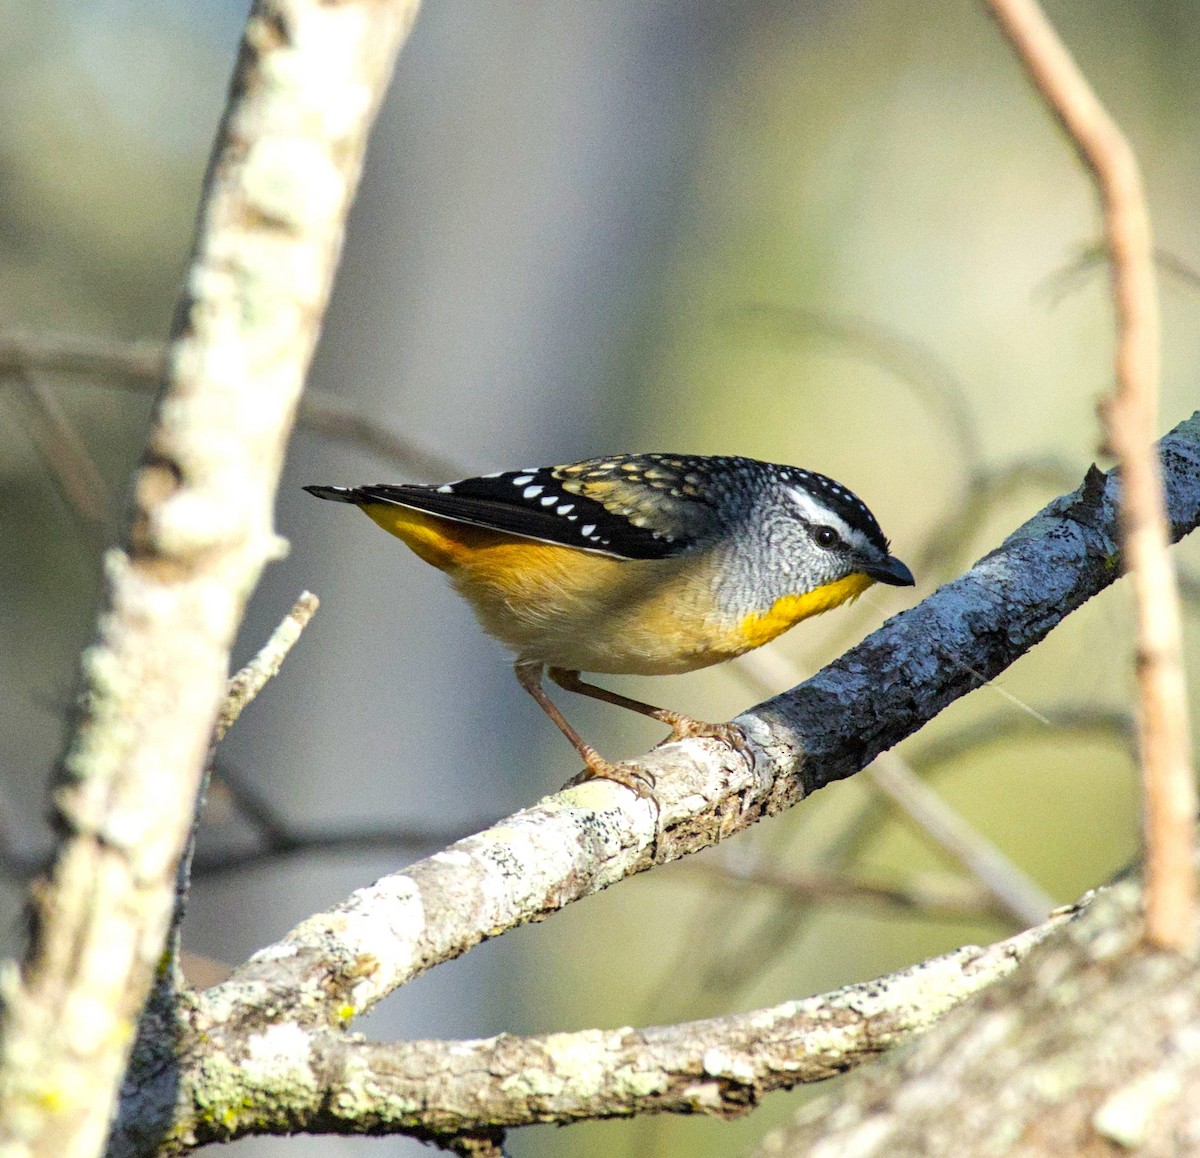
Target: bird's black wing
x=629 y=506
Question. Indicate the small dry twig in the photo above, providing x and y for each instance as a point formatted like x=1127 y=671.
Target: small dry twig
x=247 y=683
x=1131 y=419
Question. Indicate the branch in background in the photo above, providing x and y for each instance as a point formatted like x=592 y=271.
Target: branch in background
x=309 y=79
x=1086 y=720
x=65 y=454
x=1131 y=418
x=1059 y=284
x=438 y=1090
x=984 y=487
x=952 y=898
x=909 y=361
x=277 y=838
x=1013 y=892
x=139 y=366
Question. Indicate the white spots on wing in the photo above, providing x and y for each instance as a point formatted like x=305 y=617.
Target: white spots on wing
x=446 y=489
x=521 y=480
x=549 y=500
x=587 y=530
x=565 y=509
x=494 y=474
x=531 y=492
x=571 y=518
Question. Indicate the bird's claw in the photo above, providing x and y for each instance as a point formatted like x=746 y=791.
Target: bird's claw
x=684 y=727
x=639 y=781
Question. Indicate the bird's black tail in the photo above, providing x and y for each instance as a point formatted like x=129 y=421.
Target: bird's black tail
x=336 y=494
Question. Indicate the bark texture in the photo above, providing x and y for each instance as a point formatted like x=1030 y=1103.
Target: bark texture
x=1092 y=1048
x=308 y=81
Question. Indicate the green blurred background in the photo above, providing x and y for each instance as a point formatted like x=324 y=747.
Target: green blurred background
x=840 y=235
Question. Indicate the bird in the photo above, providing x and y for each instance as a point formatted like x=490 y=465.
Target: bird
x=637 y=564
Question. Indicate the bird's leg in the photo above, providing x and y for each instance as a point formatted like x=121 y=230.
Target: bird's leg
x=681 y=726
x=529 y=676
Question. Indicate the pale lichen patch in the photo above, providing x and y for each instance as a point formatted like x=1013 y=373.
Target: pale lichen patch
x=580 y=1057
x=1126 y=1116
x=717 y=1063
x=280 y=1052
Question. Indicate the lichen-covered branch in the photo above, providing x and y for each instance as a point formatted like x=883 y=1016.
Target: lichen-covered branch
x=1089 y=1048
x=588 y=837
x=308 y=81
x=286 y=1078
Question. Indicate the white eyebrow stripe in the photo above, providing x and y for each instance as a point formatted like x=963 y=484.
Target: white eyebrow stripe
x=815 y=512
x=812 y=510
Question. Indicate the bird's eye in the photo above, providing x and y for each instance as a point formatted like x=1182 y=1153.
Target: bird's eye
x=826 y=537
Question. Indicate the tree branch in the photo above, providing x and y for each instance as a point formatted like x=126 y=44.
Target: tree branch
x=338 y=964
x=1014 y=893
x=319 y=1080
x=1131 y=418
x=588 y=837
x=1088 y=1049
x=308 y=81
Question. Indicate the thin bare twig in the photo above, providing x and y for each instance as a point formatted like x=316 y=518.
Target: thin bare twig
x=1131 y=419
x=247 y=683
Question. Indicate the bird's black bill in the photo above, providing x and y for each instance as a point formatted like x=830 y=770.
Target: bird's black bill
x=891 y=571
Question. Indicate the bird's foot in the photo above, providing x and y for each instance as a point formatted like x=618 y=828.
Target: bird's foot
x=683 y=727
x=639 y=781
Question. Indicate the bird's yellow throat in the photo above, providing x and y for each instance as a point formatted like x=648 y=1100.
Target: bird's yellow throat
x=788 y=610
